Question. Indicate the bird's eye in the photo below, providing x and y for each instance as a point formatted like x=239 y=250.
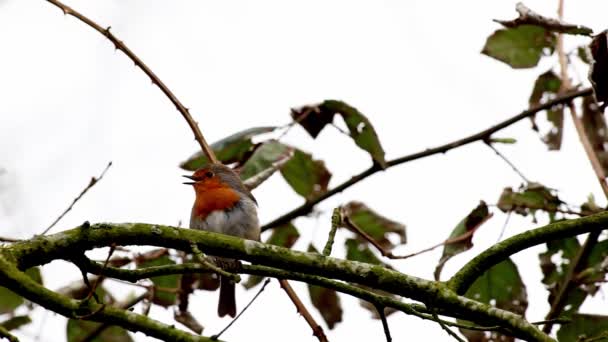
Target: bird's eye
x=208 y=174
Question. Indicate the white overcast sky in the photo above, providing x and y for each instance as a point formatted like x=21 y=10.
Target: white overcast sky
x=70 y=103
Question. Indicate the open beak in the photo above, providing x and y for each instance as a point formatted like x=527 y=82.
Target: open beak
x=189 y=177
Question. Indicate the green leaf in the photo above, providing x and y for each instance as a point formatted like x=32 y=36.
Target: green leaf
x=359 y=251
x=555 y=264
x=596 y=129
x=312 y=119
x=375 y=225
x=546 y=88
x=361 y=130
x=306 y=176
x=461 y=238
x=519 y=47
x=500 y=286
x=584 y=54
x=326 y=301
x=163 y=298
x=583 y=327
x=229 y=150
x=15 y=322
x=263 y=158
x=9 y=300
x=79 y=330
x=528 y=199
x=598 y=74
x=284 y=236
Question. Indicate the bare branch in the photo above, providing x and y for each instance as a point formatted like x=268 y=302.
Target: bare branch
x=92 y=183
x=579 y=260
x=480 y=136
x=387 y=331
x=301 y=309
x=506 y=160
x=119 y=45
x=215 y=337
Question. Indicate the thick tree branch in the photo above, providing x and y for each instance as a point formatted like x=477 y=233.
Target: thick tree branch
x=480 y=136
x=22 y=284
x=67 y=244
x=463 y=279
x=119 y=45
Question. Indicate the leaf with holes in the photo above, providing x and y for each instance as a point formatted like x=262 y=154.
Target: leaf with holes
x=263 y=158
x=555 y=263
x=306 y=176
x=598 y=74
x=229 y=150
x=9 y=300
x=325 y=300
x=500 y=286
x=596 y=129
x=163 y=283
x=284 y=236
x=81 y=330
x=461 y=238
x=375 y=225
x=359 y=127
x=584 y=327
x=519 y=47
x=528 y=199
x=546 y=88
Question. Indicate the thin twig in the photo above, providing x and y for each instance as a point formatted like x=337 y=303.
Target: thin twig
x=480 y=136
x=387 y=331
x=301 y=309
x=445 y=327
x=119 y=45
x=350 y=224
x=217 y=336
x=503 y=157
x=504 y=226
x=92 y=182
x=581 y=257
x=99 y=279
x=204 y=262
x=566 y=285
x=336 y=220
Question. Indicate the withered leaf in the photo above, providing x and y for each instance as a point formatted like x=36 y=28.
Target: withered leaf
x=465 y=230
x=598 y=74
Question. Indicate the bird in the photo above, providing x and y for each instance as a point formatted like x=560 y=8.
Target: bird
x=223 y=205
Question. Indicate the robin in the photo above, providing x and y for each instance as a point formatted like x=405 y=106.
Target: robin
x=223 y=205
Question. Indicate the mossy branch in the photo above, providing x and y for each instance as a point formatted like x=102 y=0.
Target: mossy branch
x=73 y=243
x=463 y=279
x=19 y=282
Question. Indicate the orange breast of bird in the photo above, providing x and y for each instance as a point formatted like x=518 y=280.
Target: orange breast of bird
x=213 y=195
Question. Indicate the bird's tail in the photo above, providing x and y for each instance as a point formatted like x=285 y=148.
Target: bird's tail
x=227 y=303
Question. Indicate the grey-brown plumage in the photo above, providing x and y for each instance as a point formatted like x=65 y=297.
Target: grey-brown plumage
x=224 y=205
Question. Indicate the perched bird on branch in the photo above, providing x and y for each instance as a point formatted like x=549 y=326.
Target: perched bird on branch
x=224 y=205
